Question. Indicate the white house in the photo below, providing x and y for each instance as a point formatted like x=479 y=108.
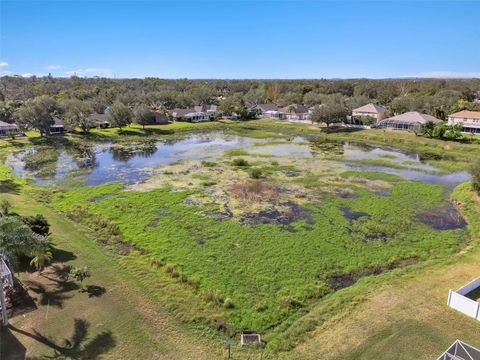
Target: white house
x=189 y=115
x=470 y=120
x=370 y=110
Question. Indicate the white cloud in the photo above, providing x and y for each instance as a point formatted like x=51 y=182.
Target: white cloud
x=26 y=75
x=90 y=72
x=3 y=64
x=5 y=72
x=53 y=67
x=448 y=75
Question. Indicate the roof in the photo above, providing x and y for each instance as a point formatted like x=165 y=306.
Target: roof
x=98 y=117
x=57 y=121
x=413 y=117
x=185 y=112
x=370 y=108
x=466 y=114
x=200 y=108
x=6 y=126
x=296 y=109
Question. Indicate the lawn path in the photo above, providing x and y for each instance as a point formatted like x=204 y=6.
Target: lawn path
x=140 y=328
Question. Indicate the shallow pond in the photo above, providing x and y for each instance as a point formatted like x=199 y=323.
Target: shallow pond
x=137 y=162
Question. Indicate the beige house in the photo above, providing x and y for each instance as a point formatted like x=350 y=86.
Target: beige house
x=375 y=111
x=470 y=120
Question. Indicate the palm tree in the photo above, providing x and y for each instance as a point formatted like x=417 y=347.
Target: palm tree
x=17 y=239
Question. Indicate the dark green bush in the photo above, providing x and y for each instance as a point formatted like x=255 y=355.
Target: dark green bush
x=256 y=173
x=240 y=162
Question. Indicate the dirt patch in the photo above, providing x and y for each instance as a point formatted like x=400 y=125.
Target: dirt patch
x=254 y=191
x=340 y=281
x=447 y=218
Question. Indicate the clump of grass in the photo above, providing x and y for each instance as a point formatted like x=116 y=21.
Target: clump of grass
x=228 y=303
x=255 y=173
x=240 y=162
x=209 y=164
x=236 y=152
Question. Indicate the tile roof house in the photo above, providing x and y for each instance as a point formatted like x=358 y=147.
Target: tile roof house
x=411 y=120
x=375 y=111
x=470 y=120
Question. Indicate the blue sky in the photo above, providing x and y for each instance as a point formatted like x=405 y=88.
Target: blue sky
x=251 y=39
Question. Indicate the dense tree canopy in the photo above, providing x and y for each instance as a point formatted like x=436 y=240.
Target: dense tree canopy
x=120 y=115
x=33 y=99
x=37 y=113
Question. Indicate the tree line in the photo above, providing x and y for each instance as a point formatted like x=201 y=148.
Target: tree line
x=33 y=101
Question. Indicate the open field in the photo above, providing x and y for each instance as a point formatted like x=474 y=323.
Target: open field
x=321 y=253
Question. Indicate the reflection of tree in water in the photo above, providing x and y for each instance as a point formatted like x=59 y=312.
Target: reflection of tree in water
x=42 y=161
x=83 y=154
x=329 y=147
x=78 y=346
x=126 y=152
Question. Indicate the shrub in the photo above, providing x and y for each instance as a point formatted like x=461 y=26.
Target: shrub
x=5 y=207
x=240 y=162
x=256 y=173
x=476 y=178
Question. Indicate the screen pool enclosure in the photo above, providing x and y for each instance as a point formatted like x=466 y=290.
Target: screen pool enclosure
x=460 y=351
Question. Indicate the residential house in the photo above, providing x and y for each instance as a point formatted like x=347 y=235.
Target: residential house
x=7 y=129
x=470 y=120
x=160 y=118
x=190 y=115
x=57 y=126
x=99 y=120
x=297 y=113
x=267 y=111
x=411 y=121
x=376 y=112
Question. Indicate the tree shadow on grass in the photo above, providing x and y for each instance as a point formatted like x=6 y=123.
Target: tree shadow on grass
x=10 y=347
x=9 y=186
x=77 y=347
x=54 y=297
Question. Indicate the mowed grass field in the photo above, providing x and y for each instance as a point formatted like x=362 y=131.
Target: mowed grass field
x=190 y=277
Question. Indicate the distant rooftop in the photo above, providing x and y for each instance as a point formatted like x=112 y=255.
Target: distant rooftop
x=370 y=108
x=467 y=114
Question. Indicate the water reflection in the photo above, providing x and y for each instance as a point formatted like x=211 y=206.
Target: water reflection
x=133 y=162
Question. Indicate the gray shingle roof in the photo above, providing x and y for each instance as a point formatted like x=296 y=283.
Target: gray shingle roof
x=414 y=117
